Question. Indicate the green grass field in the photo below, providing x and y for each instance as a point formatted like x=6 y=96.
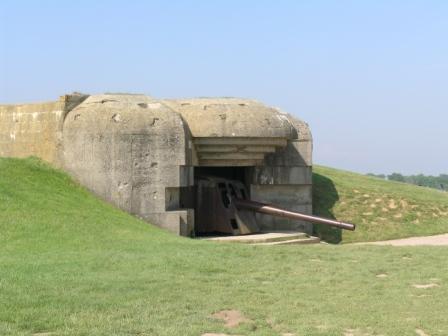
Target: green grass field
x=381 y=209
x=71 y=264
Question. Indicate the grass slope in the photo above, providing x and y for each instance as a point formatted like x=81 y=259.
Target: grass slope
x=72 y=265
x=381 y=209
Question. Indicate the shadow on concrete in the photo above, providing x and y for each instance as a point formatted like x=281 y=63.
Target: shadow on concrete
x=325 y=197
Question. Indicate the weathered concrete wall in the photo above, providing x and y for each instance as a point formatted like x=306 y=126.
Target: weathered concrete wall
x=30 y=129
x=233 y=131
x=232 y=117
x=286 y=179
x=35 y=129
x=129 y=149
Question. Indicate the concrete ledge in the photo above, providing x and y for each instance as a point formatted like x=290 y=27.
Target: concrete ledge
x=269 y=239
x=265 y=237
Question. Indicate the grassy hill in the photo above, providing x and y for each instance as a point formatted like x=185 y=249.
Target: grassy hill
x=71 y=264
x=381 y=209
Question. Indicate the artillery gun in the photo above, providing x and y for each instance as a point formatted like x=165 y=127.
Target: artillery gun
x=223 y=206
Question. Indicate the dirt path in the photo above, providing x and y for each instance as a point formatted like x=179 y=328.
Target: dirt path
x=438 y=240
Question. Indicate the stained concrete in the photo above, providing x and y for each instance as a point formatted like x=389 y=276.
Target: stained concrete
x=269 y=239
x=140 y=153
x=128 y=149
x=35 y=129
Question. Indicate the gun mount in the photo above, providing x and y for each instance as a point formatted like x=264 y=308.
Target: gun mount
x=223 y=206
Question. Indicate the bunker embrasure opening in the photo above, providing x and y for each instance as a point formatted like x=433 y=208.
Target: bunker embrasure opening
x=216 y=188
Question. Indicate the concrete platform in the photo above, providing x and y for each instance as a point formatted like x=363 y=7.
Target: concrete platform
x=303 y=241
x=267 y=238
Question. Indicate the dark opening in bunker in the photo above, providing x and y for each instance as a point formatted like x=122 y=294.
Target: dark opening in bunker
x=231 y=173
x=215 y=212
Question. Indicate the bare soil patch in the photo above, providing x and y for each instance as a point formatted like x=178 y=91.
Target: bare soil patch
x=355 y=332
x=232 y=318
x=215 y=334
x=425 y=286
x=420 y=332
x=392 y=204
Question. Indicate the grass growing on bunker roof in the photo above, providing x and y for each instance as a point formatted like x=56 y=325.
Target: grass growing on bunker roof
x=71 y=264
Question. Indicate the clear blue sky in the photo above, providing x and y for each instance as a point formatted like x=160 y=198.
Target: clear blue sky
x=370 y=77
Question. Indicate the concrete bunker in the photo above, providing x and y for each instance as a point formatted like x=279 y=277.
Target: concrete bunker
x=147 y=156
x=265 y=150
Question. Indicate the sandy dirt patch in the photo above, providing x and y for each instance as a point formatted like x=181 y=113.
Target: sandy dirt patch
x=231 y=318
x=214 y=334
x=355 y=332
x=425 y=286
x=420 y=332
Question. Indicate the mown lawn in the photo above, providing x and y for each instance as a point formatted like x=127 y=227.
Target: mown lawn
x=72 y=265
x=381 y=209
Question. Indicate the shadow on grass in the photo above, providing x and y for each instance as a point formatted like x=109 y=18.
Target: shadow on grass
x=325 y=197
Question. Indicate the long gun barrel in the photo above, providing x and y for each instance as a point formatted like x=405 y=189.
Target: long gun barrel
x=275 y=211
